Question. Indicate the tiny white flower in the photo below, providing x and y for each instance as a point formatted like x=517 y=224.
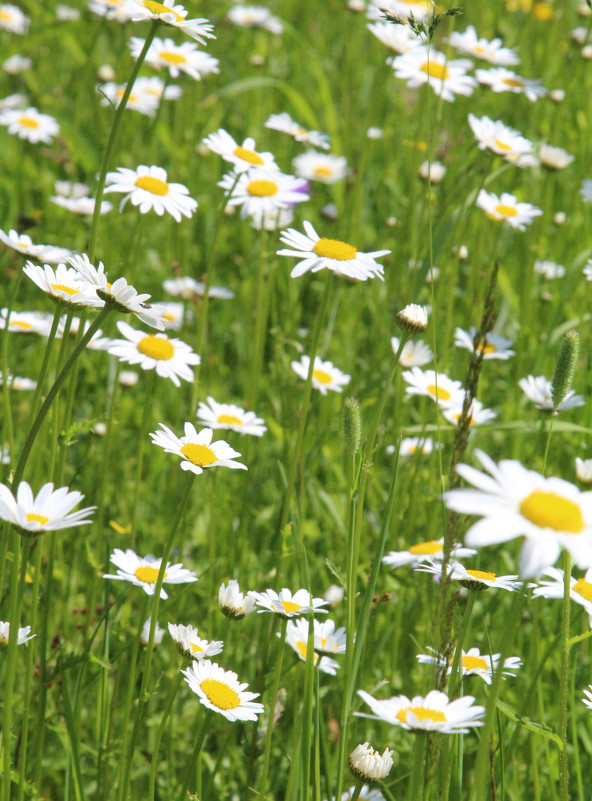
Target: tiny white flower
x=325 y=375
x=24 y=634
x=584 y=470
x=549 y=269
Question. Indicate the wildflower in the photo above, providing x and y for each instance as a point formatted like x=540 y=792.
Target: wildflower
x=584 y=470
x=538 y=389
x=255 y=17
x=23 y=244
x=325 y=375
x=143 y=571
x=111 y=9
x=493 y=135
x=493 y=347
x=12 y=19
x=588 y=699
x=433 y=171
x=555 y=158
x=49 y=510
x=477 y=413
x=473 y=663
x=398 y=38
x=170 y=14
x=500 y=79
x=419 y=8
x=323 y=167
x=320 y=253
x=128 y=378
x=231 y=417
x=63 y=285
x=424 y=552
x=147 y=187
x=146 y=102
x=334 y=595
x=242 y=157
x=471 y=579
x=580 y=589
x=66 y=13
x=432 y=713
x=190 y=646
x=30 y=124
x=220 y=690
x=81 y=205
x=436 y=386
x=297 y=639
x=183 y=58
x=549 y=269
x=368 y=765
x=17 y=382
x=233 y=603
x=188 y=288
x=415 y=353
x=514 y=501
x=469 y=43
x=17 y=64
x=97 y=342
x=272 y=220
x=145 y=634
x=284 y=123
x=24 y=634
x=197 y=450
x=411 y=445
x=586 y=190
x=287 y=604
x=171 y=314
x=258 y=191
x=446 y=78
x=26 y=322
x=507 y=208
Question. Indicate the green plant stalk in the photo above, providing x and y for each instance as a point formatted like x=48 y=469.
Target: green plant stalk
x=143 y=441
x=457 y=671
x=307 y=707
x=564 y=686
x=273 y=700
x=159 y=734
x=357 y=790
x=417 y=779
x=45 y=363
x=196 y=751
x=263 y=292
x=7 y=427
x=317 y=736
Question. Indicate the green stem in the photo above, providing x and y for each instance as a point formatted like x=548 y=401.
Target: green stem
x=196 y=751
x=160 y=733
x=146 y=416
x=456 y=673
x=357 y=791
x=417 y=780
x=273 y=701
x=564 y=689
x=45 y=363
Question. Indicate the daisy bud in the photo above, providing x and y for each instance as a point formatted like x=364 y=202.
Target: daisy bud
x=433 y=172
x=413 y=319
x=352 y=425
x=565 y=367
x=368 y=765
x=557 y=95
x=233 y=603
x=106 y=73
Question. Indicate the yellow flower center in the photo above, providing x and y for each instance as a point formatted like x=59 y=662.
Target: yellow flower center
x=487 y=347
x=172 y=58
x=334 y=249
x=478 y=49
x=501 y=145
x=248 y=155
x=20 y=324
x=153 y=185
x=230 y=419
x=156 y=348
x=158 y=8
x=33 y=518
x=583 y=588
x=220 y=694
x=69 y=290
x=5 y=15
x=421 y=713
x=435 y=70
x=262 y=188
x=199 y=455
x=303 y=651
x=438 y=392
x=506 y=211
x=29 y=122
x=549 y=510
x=542 y=11
x=322 y=377
x=426 y=548
x=147 y=574
x=481 y=574
x=290 y=607
x=474 y=663
x=513 y=81
x=196 y=649
x=323 y=172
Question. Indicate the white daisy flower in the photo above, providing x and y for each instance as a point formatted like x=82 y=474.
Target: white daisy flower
x=17 y=64
x=472 y=579
x=171 y=314
x=478 y=414
x=18 y=382
x=325 y=375
x=63 y=285
x=549 y=269
x=143 y=571
x=243 y=157
x=13 y=101
x=322 y=167
x=137 y=101
x=584 y=470
x=12 y=19
x=425 y=552
x=171 y=14
x=169 y=357
x=432 y=713
x=500 y=79
x=419 y=8
x=538 y=390
x=23 y=244
x=258 y=191
x=369 y=765
x=221 y=691
x=72 y=189
x=580 y=589
x=272 y=220
x=494 y=346
x=507 y=208
x=188 y=288
x=229 y=416
x=190 y=645
x=26 y=322
x=549 y=512
x=285 y=124
x=66 y=13
x=197 y=450
x=148 y=188
x=411 y=445
x=183 y=58
x=145 y=633
x=413 y=319
x=415 y=352
x=233 y=603
x=588 y=699
x=24 y=634
x=436 y=386
x=432 y=171
x=255 y=17
x=111 y=9
x=156 y=87
x=320 y=253
x=398 y=38
x=49 y=510
x=493 y=135
x=97 y=342
x=446 y=78
x=473 y=663
x=30 y=124
x=297 y=639
x=555 y=158
x=288 y=605
x=586 y=190
x=492 y=51
x=81 y=205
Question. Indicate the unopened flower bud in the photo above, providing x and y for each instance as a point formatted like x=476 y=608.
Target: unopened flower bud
x=413 y=319
x=352 y=425
x=565 y=367
x=368 y=765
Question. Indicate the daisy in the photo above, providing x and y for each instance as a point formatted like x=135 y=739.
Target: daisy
x=176 y=58
x=66 y=13
x=549 y=512
x=24 y=634
x=96 y=342
x=432 y=171
x=170 y=14
x=446 y=78
x=63 y=285
x=29 y=124
x=588 y=699
x=472 y=579
x=272 y=220
x=81 y=205
x=221 y=691
x=368 y=765
x=147 y=187
x=424 y=552
x=580 y=589
x=111 y=9
x=17 y=64
x=333 y=254
x=171 y=314
x=156 y=87
x=227 y=415
x=297 y=639
x=243 y=157
x=73 y=189
x=169 y=357
x=415 y=353
x=494 y=346
x=325 y=375
x=411 y=445
x=555 y=158
x=493 y=135
x=23 y=244
x=233 y=603
x=18 y=383
x=323 y=167
x=258 y=191
x=538 y=390
x=26 y=322
x=145 y=633
x=288 y=605
x=143 y=571
x=190 y=646
x=469 y=43
x=586 y=190
x=473 y=663
x=413 y=319
x=49 y=510
x=432 y=713
x=419 y=8
x=255 y=17
x=436 y=386
x=588 y=270
x=12 y=19
x=398 y=38
x=507 y=208
x=285 y=124
x=478 y=414
x=137 y=101
x=188 y=288
x=500 y=79
x=197 y=450
x=584 y=470
x=549 y=269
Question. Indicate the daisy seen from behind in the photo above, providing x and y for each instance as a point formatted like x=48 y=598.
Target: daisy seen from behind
x=30 y=124
x=538 y=389
x=285 y=124
x=178 y=59
x=148 y=188
x=498 y=138
x=197 y=451
x=259 y=191
x=473 y=663
x=221 y=691
x=143 y=571
x=287 y=605
x=432 y=713
x=190 y=645
x=446 y=78
x=471 y=579
x=297 y=639
x=171 y=14
x=507 y=208
x=233 y=603
x=499 y=79
x=325 y=376
x=242 y=157
x=24 y=634
x=49 y=510
x=231 y=417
